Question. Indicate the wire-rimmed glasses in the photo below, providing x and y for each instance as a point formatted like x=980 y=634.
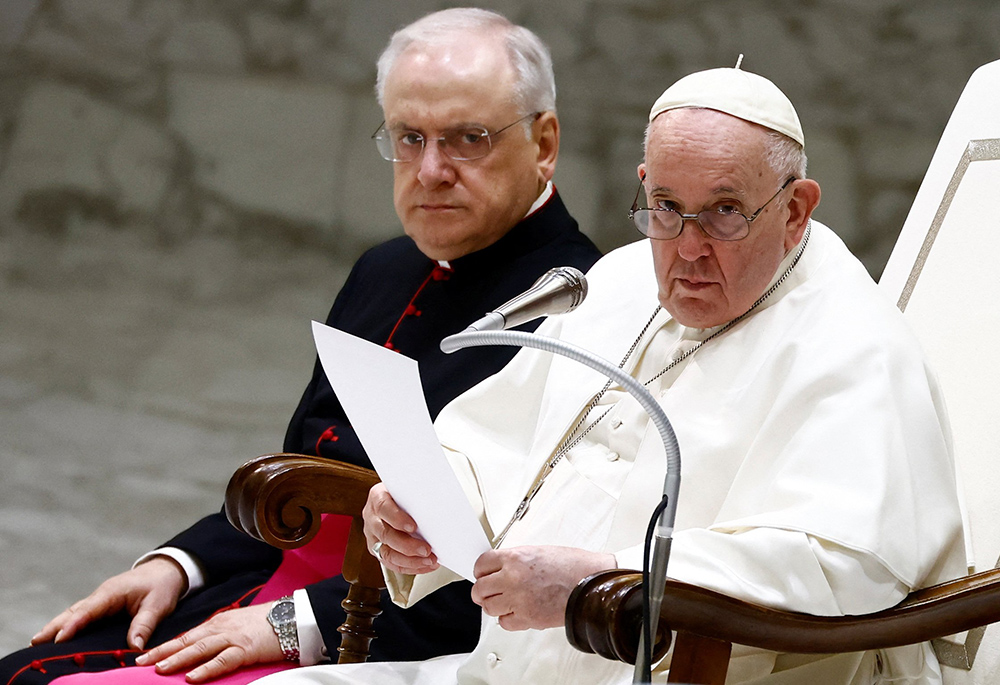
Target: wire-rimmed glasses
x=462 y=143
x=723 y=222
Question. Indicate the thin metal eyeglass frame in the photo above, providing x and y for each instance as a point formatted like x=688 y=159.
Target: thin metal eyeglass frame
x=695 y=217
x=440 y=140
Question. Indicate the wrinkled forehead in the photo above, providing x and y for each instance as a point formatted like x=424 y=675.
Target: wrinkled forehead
x=706 y=137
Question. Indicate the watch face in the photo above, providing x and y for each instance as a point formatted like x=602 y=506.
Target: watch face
x=282 y=612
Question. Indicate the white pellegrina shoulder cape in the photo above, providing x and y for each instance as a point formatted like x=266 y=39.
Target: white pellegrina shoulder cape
x=816 y=414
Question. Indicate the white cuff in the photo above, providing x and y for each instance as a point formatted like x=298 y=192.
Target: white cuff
x=311 y=647
x=190 y=565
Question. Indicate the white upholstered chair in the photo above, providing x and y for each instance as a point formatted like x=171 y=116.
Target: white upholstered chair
x=943 y=274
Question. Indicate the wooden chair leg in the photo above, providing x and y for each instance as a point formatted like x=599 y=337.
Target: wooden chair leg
x=699 y=660
x=356 y=633
x=362 y=603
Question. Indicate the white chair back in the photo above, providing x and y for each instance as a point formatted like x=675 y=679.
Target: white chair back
x=944 y=275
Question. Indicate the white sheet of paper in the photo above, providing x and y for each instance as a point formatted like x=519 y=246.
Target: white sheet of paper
x=381 y=394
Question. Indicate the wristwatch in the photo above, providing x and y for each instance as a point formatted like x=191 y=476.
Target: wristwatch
x=282 y=619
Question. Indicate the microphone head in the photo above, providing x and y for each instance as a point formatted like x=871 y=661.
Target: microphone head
x=558 y=291
x=575 y=281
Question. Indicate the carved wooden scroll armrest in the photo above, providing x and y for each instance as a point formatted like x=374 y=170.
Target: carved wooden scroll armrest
x=278 y=498
x=603 y=616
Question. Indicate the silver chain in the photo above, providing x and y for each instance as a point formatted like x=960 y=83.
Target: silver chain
x=564 y=447
x=572 y=440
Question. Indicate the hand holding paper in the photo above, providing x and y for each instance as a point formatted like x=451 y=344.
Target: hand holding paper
x=381 y=393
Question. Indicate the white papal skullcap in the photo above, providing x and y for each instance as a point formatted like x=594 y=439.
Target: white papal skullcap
x=736 y=92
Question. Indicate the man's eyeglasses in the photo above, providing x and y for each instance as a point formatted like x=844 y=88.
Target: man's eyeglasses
x=462 y=144
x=723 y=222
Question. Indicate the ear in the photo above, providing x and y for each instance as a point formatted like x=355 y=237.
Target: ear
x=546 y=130
x=641 y=171
x=805 y=194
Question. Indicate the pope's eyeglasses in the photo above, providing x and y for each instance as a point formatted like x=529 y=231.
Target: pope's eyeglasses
x=722 y=222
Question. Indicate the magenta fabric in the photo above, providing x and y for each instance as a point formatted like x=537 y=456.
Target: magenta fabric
x=143 y=675
x=320 y=559
x=316 y=561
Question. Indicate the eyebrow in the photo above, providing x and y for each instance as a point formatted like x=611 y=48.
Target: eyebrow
x=718 y=190
x=403 y=126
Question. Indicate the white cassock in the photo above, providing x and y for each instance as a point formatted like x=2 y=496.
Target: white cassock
x=816 y=468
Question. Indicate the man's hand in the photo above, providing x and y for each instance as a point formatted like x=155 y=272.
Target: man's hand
x=223 y=643
x=528 y=587
x=149 y=592
x=401 y=550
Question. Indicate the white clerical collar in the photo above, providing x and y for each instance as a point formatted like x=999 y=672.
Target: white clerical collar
x=542 y=199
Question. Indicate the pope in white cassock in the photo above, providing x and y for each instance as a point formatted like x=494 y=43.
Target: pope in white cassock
x=817 y=473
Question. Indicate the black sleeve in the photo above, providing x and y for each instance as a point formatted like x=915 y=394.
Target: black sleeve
x=224 y=551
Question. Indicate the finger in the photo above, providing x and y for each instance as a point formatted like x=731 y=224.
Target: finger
x=404 y=544
x=50 y=629
x=225 y=662
x=398 y=519
x=483 y=588
x=85 y=612
x=487 y=563
x=197 y=653
x=144 y=623
x=385 y=508
x=495 y=605
x=496 y=594
x=491 y=580
x=65 y=625
x=161 y=652
x=408 y=565
x=513 y=622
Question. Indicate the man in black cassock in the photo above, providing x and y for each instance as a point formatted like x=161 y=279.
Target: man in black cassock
x=471 y=130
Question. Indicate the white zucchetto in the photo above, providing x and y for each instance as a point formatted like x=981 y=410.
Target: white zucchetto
x=736 y=92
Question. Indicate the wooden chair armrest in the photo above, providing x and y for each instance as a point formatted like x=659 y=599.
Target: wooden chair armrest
x=604 y=616
x=604 y=611
x=279 y=498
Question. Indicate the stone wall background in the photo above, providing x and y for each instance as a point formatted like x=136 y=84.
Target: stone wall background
x=185 y=183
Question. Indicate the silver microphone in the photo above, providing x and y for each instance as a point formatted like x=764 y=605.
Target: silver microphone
x=559 y=290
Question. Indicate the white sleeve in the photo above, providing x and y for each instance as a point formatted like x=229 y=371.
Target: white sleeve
x=191 y=566
x=781 y=569
x=311 y=647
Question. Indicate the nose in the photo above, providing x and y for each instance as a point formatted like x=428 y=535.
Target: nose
x=693 y=243
x=436 y=168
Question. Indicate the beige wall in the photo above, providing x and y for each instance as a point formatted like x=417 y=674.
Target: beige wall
x=179 y=118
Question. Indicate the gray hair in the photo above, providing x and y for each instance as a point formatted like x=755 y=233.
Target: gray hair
x=784 y=155
x=535 y=84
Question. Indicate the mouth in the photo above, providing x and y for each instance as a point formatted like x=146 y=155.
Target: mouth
x=694 y=284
